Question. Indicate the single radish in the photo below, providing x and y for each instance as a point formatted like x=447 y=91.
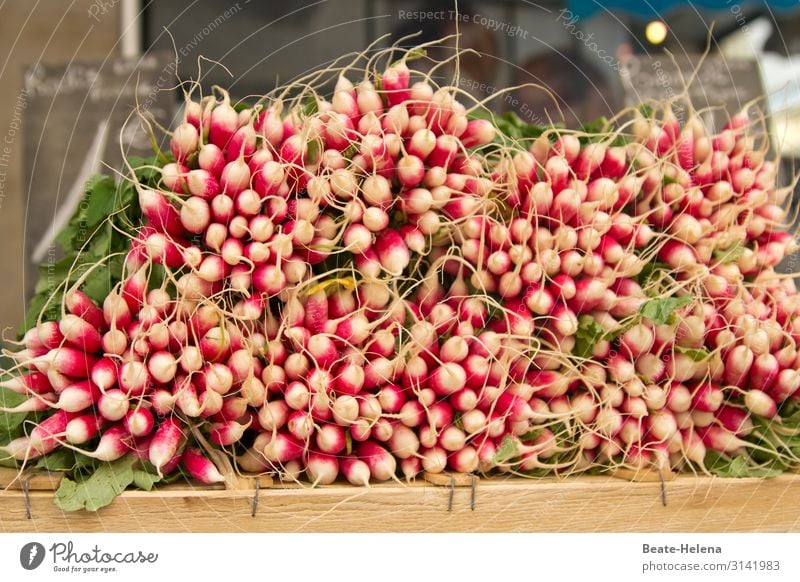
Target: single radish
x=200 y=467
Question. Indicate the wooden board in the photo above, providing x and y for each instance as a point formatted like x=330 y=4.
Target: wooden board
x=11 y=479
x=604 y=504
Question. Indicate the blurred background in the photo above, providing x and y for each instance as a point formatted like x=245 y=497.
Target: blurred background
x=72 y=71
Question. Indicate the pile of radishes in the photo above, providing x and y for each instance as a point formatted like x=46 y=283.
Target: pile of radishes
x=382 y=284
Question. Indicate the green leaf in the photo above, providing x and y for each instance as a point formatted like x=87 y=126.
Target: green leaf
x=697 y=354
x=350 y=152
x=10 y=423
x=99 y=285
x=649 y=271
x=145 y=480
x=599 y=125
x=790 y=413
x=660 y=310
x=310 y=107
x=738 y=467
x=8 y=463
x=348 y=442
x=86 y=240
x=99 y=199
x=64 y=460
x=240 y=106
x=509 y=125
x=508 y=449
x=589 y=333
x=98 y=490
x=35 y=306
x=531 y=435
x=147 y=175
x=313 y=151
x=415 y=53
x=729 y=255
x=52 y=274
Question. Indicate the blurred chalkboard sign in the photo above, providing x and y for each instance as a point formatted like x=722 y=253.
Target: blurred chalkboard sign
x=723 y=84
x=78 y=122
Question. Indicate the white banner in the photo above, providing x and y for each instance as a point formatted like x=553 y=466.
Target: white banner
x=401 y=557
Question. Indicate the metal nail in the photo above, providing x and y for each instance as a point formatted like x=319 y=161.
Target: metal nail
x=452 y=493
x=472 y=496
x=255 y=498
x=25 y=489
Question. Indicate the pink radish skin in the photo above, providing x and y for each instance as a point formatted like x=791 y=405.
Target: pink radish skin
x=165 y=443
x=49 y=335
x=184 y=141
x=162 y=367
x=202 y=183
x=786 y=385
x=322 y=469
x=68 y=361
x=160 y=214
x=330 y=439
x=20 y=449
x=738 y=362
x=300 y=425
x=760 y=403
x=764 y=371
x=80 y=304
x=721 y=440
x=139 y=422
x=411 y=467
x=273 y=415
x=707 y=397
x=395 y=83
x=434 y=460
x=163 y=401
x=78 y=397
x=34 y=382
x=113 y=405
x=113 y=444
x=44 y=436
x=82 y=429
x=392 y=252
x=356 y=471
x=242 y=143
x=735 y=420
x=382 y=465
x=201 y=468
x=283 y=448
x=464 y=461
x=404 y=442
x=448 y=378
x=223 y=123
x=134 y=378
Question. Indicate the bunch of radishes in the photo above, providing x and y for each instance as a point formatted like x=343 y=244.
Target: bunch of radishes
x=382 y=284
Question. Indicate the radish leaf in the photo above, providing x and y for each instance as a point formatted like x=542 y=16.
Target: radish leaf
x=508 y=449
x=98 y=490
x=738 y=467
x=145 y=480
x=660 y=311
x=729 y=255
x=697 y=354
x=588 y=334
x=11 y=422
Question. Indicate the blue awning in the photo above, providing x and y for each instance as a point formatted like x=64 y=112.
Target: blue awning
x=648 y=9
